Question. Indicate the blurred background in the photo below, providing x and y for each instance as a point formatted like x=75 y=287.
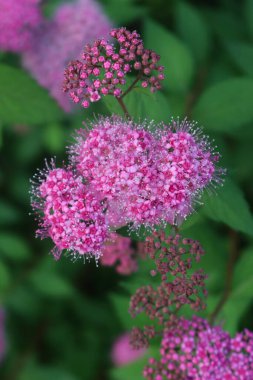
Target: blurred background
x=59 y=320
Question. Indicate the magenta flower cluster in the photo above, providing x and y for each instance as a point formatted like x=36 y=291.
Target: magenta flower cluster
x=146 y=177
x=59 y=39
x=118 y=251
x=19 y=20
x=72 y=216
x=129 y=175
x=192 y=349
x=123 y=353
x=104 y=67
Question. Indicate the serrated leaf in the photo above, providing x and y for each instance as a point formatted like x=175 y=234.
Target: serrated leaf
x=193 y=29
x=23 y=101
x=226 y=105
x=175 y=56
x=230 y=207
x=13 y=247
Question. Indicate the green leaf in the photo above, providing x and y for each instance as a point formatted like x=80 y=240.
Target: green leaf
x=4 y=276
x=134 y=370
x=230 y=207
x=226 y=24
x=22 y=100
x=45 y=373
x=248 y=9
x=145 y=105
x=8 y=213
x=24 y=302
x=50 y=284
x=13 y=247
x=241 y=295
x=125 y=13
x=141 y=104
x=242 y=55
x=54 y=137
x=175 y=56
x=193 y=30
x=226 y=105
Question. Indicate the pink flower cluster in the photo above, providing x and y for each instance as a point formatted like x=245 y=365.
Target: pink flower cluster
x=186 y=164
x=19 y=20
x=104 y=67
x=72 y=216
x=59 y=39
x=2 y=335
x=122 y=352
x=125 y=174
x=196 y=351
x=116 y=158
x=118 y=251
x=146 y=177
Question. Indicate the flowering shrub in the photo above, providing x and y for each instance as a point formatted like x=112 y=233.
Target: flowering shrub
x=124 y=173
x=134 y=190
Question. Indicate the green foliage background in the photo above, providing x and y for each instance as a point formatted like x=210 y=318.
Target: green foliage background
x=61 y=318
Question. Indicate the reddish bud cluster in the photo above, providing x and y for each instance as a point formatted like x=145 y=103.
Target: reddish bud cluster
x=173 y=257
x=104 y=67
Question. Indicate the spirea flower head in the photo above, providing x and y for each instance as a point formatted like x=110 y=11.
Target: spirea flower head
x=118 y=251
x=72 y=216
x=62 y=38
x=186 y=165
x=195 y=350
x=104 y=66
x=19 y=20
x=147 y=177
x=123 y=353
x=116 y=158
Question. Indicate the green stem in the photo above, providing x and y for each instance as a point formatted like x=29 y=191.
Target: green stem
x=132 y=85
x=123 y=106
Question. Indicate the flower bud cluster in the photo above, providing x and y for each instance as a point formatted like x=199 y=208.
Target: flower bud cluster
x=173 y=257
x=192 y=349
x=104 y=67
